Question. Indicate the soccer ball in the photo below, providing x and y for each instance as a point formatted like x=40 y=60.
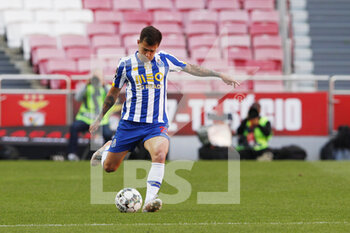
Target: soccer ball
x=128 y=200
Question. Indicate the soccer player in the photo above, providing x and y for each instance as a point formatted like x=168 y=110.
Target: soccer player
x=144 y=111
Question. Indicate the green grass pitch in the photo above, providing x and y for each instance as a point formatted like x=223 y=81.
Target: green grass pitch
x=45 y=196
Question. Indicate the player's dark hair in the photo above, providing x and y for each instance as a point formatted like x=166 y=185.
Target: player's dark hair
x=151 y=35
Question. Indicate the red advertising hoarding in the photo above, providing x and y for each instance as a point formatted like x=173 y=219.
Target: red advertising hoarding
x=289 y=113
x=33 y=110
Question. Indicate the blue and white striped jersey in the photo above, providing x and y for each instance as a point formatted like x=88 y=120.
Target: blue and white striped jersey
x=146 y=86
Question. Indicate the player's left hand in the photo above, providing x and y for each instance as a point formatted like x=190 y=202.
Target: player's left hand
x=229 y=80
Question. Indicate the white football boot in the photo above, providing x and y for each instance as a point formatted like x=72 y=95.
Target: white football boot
x=153 y=205
x=97 y=156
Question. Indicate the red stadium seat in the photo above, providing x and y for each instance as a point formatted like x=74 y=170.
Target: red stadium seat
x=43 y=54
x=220 y=65
x=200 y=29
x=173 y=41
x=77 y=53
x=138 y=16
x=207 y=41
x=220 y=5
x=110 y=53
x=261 y=66
x=131 y=41
x=238 y=16
x=152 y=5
x=203 y=16
x=169 y=28
x=264 y=28
x=74 y=41
x=63 y=66
x=259 y=4
x=267 y=54
x=127 y=5
x=101 y=29
x=84 y=65
x=97 y=4
x=259 y=16
x=167 y=17
x=105 y=41
x=31 y=43
x=275 y=54
x=233 y=29
x=131 y=50
x=42 y=41
x=204 y=54
x=241 y=41
x=104 y=16
x=186 y=5
x=131 y=28
x=264 y=22
x=238 y=56
x=179 y=53
x=267 y=41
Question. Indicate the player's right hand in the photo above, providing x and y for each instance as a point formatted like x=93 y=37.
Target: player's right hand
x=94 y=126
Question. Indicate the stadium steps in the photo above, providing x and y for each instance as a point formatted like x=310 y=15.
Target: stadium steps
x=329 y=31
x=11 y=62
x=326 y=29
x=331 y=54
x=341 y=42
x=314 y=5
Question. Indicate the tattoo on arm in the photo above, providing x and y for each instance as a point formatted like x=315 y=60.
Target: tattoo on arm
x=108 y=103
x=200 y=71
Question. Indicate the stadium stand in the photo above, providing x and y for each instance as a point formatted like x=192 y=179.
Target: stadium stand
x=245 y=32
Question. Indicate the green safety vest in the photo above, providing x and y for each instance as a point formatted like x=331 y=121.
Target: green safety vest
x=92 y=106
x=260 y=138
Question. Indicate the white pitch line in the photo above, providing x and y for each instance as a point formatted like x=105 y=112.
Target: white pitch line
x=171 y=224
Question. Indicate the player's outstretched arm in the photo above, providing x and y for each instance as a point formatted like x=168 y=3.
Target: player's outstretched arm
x=110 y=99
x=204 y=72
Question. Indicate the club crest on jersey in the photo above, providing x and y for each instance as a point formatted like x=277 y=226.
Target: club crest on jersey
x=160 y=63
x=114 y=143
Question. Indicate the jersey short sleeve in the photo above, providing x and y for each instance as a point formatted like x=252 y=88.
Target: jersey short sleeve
x=120 y=75
x=174 y=63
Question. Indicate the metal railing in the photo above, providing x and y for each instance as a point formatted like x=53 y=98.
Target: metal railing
x=331 y=92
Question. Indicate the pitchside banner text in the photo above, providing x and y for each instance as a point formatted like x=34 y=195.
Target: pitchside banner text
x=289 y=113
